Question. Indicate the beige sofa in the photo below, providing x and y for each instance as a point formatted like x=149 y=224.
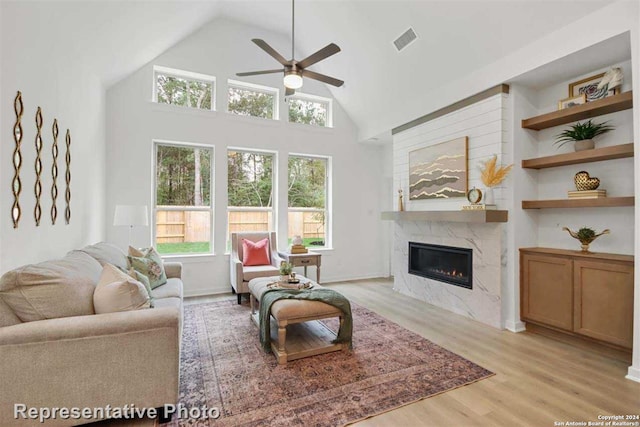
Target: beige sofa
x=56 y=352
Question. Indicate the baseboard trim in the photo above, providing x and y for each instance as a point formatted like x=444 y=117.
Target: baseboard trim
x=515 y=327
x=633 y=374
x=227 y=290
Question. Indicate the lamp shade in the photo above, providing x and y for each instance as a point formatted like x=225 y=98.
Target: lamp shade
x=131 y=215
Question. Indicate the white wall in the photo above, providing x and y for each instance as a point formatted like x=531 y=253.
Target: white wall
x=133 y=122
x=52 y=76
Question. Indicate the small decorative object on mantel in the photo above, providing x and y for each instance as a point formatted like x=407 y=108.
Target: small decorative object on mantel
x=590 y=86
x=584 y=182
x=572 y=101
x=16 y=185
x=585 y=235
x=297 y=246
x=582 y=134
x=400 y=202
x=474 y=196
x=492 y=176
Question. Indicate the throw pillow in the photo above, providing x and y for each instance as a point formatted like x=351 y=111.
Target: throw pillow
x=144 y=280
x=117 y=291
x=149 y=263
x=255 y=253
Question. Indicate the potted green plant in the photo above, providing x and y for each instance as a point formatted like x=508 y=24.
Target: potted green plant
x=285 y=270
x=582 y=134
x=585 y=235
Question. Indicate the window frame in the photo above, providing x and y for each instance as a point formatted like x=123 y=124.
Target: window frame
x=186 y=75
x=256 y=88
x=313 y=98
x=210 y=207
x=274 y=191
x=328 y=205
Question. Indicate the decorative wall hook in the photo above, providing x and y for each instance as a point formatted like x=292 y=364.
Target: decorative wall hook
x=37 y=188
x=16 y=185
x=67 y=194
x=54 y=172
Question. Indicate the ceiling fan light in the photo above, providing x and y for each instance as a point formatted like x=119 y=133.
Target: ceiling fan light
x=293 y=80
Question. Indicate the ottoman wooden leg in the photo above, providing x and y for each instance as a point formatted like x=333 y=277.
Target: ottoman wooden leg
x=282 y=337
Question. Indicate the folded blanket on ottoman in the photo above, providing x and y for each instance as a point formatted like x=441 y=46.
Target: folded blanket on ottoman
x=327 y=296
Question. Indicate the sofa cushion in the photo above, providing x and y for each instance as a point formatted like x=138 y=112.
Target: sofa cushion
x=142 y=279
x=52 y=289
x=249 y=273
x=117 y=291
x=149 y=263
x=255 y=253
x=107 y=253
x=173 y=288
x=7 y=316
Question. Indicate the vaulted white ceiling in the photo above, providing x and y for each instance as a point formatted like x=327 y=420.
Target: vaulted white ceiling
x=382 y=86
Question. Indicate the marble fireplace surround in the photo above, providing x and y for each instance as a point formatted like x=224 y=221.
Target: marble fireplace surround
x=483 y=302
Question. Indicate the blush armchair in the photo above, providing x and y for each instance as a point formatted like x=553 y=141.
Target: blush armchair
x=241 y=274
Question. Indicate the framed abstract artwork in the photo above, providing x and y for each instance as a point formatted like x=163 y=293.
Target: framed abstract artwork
x=439 y=171
x=589 y=87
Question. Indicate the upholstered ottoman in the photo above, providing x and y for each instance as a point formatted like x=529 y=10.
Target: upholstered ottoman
x=306 y=336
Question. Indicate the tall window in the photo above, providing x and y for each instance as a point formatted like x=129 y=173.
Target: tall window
x=308 y=196
x=183 y=88
x=250 y=191
x=310 y=110
x=183 y=208
x=253 y=100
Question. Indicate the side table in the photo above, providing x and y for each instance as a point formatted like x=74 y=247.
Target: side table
x=304 y=260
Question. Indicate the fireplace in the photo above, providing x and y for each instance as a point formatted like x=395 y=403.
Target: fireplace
x=444 y=263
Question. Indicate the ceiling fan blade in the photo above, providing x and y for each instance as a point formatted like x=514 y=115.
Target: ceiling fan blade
x=322 y=78
x=255 y=73
x=271 y=51
x=289 y=91
x=325 y=52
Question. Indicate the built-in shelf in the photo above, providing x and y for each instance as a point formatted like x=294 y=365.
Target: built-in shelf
x=602 y=202
x=579 y=254
x=448 y=216
x=610 y=104
x=586 y=156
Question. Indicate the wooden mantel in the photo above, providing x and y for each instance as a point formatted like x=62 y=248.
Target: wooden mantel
x=448 y=216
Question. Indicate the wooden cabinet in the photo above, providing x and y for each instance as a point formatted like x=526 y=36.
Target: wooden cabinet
x=586 y=295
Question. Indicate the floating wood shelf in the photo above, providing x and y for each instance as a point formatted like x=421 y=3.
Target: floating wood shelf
x=448 y=216
x=603 y=202
x=585 y=156
x=610 y=104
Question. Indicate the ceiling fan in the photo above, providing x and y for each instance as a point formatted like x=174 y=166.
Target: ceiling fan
x=294 y=70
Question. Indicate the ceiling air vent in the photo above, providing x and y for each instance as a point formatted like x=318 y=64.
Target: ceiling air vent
x=405 y=39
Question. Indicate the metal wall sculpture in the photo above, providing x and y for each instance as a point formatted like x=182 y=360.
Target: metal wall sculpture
x=67 y=195
x=16 y=186
x=37 y=188
x=54 y=172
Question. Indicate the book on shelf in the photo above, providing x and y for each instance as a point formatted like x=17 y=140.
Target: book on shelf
x=587 y=194
x=479 y=207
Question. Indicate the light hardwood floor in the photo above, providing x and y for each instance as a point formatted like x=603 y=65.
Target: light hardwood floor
x=538 y=381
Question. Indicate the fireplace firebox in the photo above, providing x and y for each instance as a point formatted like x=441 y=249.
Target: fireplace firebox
x=444 y=263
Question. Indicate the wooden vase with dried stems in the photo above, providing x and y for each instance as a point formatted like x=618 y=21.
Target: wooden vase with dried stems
x=492 y=175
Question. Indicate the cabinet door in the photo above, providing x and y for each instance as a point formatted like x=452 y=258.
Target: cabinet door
x=546 y=286
x=604 y=301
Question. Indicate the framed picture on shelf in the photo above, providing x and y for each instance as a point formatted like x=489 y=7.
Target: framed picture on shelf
x=572 y=101
x=589 y=87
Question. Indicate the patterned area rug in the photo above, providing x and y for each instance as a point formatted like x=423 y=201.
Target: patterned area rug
x=224 y=366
